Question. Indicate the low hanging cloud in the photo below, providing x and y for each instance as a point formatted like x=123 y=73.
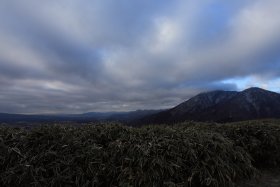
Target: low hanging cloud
x=72 y=56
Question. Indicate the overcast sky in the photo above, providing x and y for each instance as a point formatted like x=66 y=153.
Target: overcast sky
x=69 y=56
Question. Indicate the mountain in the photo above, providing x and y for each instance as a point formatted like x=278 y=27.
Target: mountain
x=223 y=106
x=132 y=116
x=217 y=106
x=116 y=116
x=124 y=117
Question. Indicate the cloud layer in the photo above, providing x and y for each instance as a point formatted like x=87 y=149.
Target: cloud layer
x=72 y=56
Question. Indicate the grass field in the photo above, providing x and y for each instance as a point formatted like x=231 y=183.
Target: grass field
x=186 y=154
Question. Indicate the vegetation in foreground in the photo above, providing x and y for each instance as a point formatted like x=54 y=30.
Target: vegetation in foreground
x=186 y=154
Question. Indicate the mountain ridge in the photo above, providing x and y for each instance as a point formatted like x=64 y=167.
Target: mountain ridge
x=223 y=106
x=124 y=117
x=214 y=106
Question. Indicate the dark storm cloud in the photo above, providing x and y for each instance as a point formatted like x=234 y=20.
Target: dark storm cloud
x=72 y=56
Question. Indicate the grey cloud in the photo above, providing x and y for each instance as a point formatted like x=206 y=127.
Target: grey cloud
x=78 y=56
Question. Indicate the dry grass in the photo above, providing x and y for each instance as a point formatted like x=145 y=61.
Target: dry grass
x=190 y=154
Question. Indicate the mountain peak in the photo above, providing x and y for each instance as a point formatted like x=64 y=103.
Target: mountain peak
x=254 y=89
x=224 y=106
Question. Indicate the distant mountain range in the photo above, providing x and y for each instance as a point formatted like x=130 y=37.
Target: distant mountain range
x=214 y=106
x=223 y=106
x=124 y=117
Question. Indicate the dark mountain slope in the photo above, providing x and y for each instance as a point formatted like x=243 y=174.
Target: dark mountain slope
x=223 y=106
x=253 y=103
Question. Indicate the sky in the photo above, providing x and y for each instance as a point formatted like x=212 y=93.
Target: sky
x=69 y=56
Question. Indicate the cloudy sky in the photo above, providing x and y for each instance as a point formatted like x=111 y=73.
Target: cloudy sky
x=69 y=56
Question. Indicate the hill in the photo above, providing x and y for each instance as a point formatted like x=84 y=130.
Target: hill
x=223 y=106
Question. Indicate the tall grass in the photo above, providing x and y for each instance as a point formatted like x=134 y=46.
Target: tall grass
x=189 y=154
